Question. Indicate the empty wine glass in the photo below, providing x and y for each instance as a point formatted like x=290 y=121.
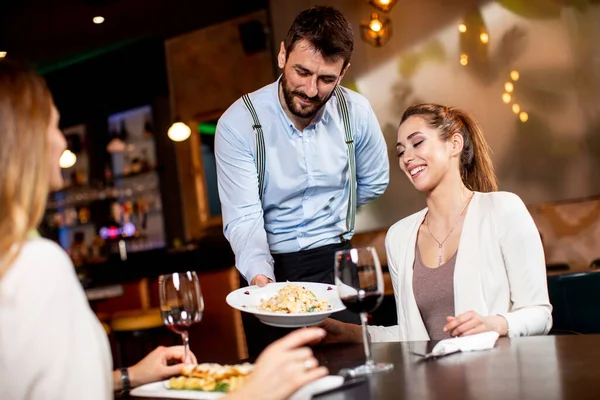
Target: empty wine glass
x=359 y=281
x=181 y=304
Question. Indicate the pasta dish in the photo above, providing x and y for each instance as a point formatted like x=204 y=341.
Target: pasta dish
x=209 y=377
x=293 y=299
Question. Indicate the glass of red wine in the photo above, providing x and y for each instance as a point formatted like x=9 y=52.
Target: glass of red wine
x=359 y=281
x=181 y=304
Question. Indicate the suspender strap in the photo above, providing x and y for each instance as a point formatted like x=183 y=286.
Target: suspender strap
x=260 y=154
x=259 y=143
x=343 y=108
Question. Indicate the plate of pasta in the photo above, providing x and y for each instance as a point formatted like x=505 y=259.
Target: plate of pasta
x=288 y=304
x=209 y=381
x=199 y=381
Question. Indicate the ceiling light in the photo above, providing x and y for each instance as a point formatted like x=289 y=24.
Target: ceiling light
x=98 y=20
x=67 y=159
x=178 y=132
x=383 y=5
x=376 y=31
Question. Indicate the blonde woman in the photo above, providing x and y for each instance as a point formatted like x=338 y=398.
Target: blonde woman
x=472 y=261
x=51 y=344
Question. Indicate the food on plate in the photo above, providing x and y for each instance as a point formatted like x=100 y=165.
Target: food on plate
x=210 y=377
x=293 y=299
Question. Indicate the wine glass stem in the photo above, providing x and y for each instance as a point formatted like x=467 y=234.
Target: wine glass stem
x=366 y=339
x=186 y=346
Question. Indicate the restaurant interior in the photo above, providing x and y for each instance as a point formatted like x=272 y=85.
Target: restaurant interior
x=141 y=84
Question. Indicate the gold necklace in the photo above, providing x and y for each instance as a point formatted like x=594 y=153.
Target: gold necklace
x=441 y=244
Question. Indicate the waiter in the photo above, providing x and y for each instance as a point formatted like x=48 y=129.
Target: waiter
x=294 y=160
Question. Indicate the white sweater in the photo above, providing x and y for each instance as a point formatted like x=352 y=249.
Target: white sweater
x=500 y=269
x=51 y=344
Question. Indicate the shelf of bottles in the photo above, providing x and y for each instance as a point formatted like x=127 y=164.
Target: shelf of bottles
x=129 y=194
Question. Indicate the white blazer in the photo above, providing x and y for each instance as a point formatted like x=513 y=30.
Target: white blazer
x=500 y=269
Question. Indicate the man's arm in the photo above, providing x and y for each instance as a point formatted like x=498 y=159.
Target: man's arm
x=372 y=164
x=241 y=208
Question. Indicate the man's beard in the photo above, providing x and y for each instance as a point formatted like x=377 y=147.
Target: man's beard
x=299 y=110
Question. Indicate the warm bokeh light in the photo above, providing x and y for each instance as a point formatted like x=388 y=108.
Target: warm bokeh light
x=484 y=37
x=464 y=59
x=506 y=97
x=375 y=25
x=98 y=20
x=514 y=75
x=523 y=116
x=384 y=2
x=508 y=86
x=67 y=159
x=516 y=108
x=2 y=54
x=178 y=132
x=462 y=28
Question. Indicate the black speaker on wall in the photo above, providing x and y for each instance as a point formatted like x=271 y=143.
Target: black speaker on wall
x=253 y=36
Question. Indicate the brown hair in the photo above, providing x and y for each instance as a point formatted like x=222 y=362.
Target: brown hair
x=326 y=29
x=25 y=109
x=476 y=167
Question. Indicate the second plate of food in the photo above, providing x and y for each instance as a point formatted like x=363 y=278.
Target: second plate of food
x=288 y=304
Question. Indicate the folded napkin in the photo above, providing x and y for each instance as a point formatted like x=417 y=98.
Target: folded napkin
x=480 y=341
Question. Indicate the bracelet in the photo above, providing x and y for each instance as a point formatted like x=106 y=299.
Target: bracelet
x=125 y=380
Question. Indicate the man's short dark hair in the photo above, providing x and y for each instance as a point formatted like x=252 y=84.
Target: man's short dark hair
x=326 y=29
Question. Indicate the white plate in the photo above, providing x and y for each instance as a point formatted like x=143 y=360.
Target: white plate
x=159 y=389
x=248 y=298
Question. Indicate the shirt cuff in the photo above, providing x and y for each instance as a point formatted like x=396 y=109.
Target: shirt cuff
x=260 y=269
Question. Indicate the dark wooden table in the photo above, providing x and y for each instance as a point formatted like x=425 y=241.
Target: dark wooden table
x=543 y=367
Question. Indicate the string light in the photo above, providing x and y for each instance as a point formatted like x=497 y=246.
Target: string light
x=516 y=108
x=509 y=87
x=523 y=116
x=506 y=97
x=484 y=37
x=514 y=75
x=464 y=59
x=462 y=28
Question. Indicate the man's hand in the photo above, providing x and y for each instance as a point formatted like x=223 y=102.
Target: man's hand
x=260 y=280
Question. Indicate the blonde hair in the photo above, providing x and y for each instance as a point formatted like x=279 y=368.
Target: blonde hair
x=476 y=167
x=25 y=109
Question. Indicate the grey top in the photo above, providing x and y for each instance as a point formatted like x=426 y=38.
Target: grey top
x=434 y=293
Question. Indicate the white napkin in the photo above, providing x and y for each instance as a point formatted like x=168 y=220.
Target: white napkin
x=480 y=341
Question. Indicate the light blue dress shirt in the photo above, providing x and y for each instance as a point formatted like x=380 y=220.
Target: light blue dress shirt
x=306 y=177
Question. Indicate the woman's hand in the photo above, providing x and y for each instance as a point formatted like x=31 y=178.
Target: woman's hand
x=340 y=332
x=161 y=363
x=471 y=323
x=283 y=367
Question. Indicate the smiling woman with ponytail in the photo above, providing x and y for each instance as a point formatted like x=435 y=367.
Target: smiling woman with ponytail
x=472 y=261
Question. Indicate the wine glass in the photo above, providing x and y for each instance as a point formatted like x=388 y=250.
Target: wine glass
x=181 y=304
x=359 y=281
